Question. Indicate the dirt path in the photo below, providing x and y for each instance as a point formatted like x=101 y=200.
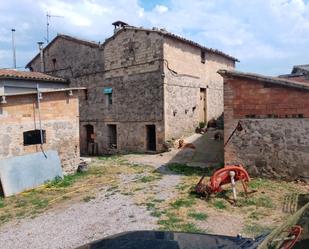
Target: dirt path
x=207 y=153
x=77 y=224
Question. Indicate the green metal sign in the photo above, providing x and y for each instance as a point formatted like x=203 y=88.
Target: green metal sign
x=108 y=90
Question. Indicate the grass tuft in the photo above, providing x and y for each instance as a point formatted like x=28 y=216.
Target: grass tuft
x=219 y=204
x=39 y=203
x=1 y=202
x=186 y=170
x=66 y=181
x=198 y=216
x=256 y=229
x=146 y=179
x=263 y=201
x=183 y=203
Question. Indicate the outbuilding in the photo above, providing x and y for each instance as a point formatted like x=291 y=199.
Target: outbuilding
x=38 y=112
x=274 y=115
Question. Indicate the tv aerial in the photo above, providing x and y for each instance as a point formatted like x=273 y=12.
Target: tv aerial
x=48 y=19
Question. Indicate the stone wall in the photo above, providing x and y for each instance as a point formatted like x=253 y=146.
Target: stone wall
x=182 y=90
x=181 y=96
x=66 y=59
x=59 y=115
x=275 y=148
x=133 y=62
x=132 y=69
x=274 y=142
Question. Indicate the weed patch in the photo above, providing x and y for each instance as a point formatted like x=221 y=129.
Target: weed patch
x=67 y=181
x=263 y=201
x=1 y=202
x=5 y=217
x=39 y=203
x=219 y=204
x=146 y=179
x=256 y=229
x=183 y=169
x=183 y=203
x=198 y=216
x=189 y=228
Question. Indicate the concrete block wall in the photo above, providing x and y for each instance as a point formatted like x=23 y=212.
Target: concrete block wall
x=274 y=143
x=59 y=115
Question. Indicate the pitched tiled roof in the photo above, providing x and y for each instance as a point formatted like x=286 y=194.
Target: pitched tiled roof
x=14 y=74
x=272 y=80
x=69 y=38
x=173 y=36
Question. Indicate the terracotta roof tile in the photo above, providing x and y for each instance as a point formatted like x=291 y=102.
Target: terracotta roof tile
x=14 y=74
x=273 y=80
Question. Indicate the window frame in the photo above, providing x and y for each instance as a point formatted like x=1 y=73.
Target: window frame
x=33 y=137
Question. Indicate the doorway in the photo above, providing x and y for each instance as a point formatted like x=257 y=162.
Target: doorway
x=112 y=136
x=151 y=137
x=91 y=146
x=202 y=105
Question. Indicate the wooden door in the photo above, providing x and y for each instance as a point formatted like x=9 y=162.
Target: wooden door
x=202 y=105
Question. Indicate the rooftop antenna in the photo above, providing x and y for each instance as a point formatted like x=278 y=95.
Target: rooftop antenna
x=48 y=17
x=14 y=49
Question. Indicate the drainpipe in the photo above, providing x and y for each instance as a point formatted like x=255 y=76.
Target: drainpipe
x=41 y=56
x=39 y=97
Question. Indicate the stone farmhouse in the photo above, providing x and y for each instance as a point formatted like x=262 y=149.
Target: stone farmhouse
x=274 y=115
x=21 y=116
x=144 y=86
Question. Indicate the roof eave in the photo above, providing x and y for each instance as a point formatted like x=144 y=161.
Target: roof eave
x=35 y=79
x=45 y=91
x=276 y=81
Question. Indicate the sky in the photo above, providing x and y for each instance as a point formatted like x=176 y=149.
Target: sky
x=267 y=36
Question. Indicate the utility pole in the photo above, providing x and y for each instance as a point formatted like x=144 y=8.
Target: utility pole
x=14 y=49
x=48 y=17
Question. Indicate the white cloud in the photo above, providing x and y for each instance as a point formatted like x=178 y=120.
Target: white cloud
x=270 y=33
x=160 y=9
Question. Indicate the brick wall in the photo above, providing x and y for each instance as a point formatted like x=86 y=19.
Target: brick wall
x=59 y=116
x=274 y=141
x=248 y=98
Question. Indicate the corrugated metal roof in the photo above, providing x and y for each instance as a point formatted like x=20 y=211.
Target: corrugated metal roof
x=14 y=74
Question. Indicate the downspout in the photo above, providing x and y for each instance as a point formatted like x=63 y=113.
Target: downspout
x=39 y=96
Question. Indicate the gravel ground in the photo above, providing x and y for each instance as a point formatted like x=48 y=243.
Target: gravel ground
x=78 y=224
